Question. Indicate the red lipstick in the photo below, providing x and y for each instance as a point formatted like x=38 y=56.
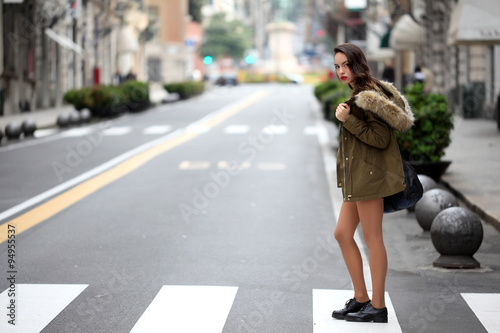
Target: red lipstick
x=343 y=78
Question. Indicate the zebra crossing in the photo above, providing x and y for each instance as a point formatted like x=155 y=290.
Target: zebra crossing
x=172 y=309
x=163 y=129
x=35 y=305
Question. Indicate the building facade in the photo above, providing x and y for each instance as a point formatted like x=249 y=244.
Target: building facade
x=166 y=53
x=52 y=46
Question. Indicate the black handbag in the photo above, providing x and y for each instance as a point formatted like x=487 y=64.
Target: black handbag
x=409 y=196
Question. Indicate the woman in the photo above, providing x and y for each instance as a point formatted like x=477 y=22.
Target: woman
x=369 y=168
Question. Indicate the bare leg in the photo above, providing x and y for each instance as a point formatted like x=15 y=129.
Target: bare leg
x=344 y=234
x=371 y=215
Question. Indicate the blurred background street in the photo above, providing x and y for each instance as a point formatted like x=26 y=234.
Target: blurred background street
x=170 y=166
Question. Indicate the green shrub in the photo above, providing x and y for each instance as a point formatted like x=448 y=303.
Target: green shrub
x=325 y=87
x=107 y=100
x=136 y=95
x=331 y=94
x=430 y=134
x=254 y=78
x=80 y=98
x=110 y=100
x=185 y=89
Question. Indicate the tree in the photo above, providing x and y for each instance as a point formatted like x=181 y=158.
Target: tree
x=223 y=38
x=195 y=10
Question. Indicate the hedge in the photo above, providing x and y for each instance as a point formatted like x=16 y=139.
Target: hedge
x=105 y=101
x=185 y=89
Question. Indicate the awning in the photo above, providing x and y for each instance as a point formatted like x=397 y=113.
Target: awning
x=380 y=54
x=406 y=34
x=475 y=22
x=63 y=41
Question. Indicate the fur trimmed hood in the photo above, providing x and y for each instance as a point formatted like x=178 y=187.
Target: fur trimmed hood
x=395 y=111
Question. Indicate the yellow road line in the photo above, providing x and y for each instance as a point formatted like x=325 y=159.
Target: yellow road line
x=77 y=193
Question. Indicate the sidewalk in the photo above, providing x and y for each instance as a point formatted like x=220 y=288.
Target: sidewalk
x=473 y=176
x=43 y=118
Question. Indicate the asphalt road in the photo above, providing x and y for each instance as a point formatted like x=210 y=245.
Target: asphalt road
x=214 y=214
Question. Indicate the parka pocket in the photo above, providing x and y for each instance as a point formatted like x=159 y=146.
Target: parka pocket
x=367 y=179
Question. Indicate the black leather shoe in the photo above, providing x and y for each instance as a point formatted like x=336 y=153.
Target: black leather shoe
x=350 y=306
x=367 y=314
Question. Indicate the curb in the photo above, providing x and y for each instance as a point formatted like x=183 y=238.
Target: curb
x=473 y=207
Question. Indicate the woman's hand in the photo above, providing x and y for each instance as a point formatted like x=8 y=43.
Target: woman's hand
x=343 y=111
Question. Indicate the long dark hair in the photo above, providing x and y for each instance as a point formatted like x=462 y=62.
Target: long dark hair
x=356 y=60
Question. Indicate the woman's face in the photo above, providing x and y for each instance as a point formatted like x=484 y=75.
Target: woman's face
x=342 y=69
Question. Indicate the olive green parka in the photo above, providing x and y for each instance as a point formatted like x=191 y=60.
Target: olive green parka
x=368 y=160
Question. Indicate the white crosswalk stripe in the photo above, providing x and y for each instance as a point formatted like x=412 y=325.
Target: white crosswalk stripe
x=77 y=132
x=276 y=129
x=40 y=133
x=194 y=165
x=311 y=130
x=485 y=307
x=236 y=129
x=36 y=305
x=187 y=309
x=115 y=131
x=325 y=301
x=157 y=129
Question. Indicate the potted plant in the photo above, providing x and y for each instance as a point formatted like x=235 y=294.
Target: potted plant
x=423 y=145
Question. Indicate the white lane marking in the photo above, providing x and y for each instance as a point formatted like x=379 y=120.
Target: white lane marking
x=157 y=129
x=37 y=305
x=233 y=165
x=336 y=193
x=311 y=130
x=44 y=132
x=194 y=165
x=117 y=160
x=116 y=131
x=77 y=132
x=325 y=301
x=275 y=129
x=236 y=129
x=187 y=309
x=198 y=129
x=271 y=166
x=485 y=307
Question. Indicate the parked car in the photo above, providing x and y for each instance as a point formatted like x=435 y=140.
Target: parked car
x=227 y=79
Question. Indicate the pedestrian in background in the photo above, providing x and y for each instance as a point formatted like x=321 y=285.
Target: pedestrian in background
x=117 y=78
x=388 y=73
x=369 y=168
x=418 y=75
x=130 y=76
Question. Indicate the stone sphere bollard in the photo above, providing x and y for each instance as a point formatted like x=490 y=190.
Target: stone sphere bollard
x=12 y=131
x=63 y=120
x=29 y=127
x=74 y=118
x=432 y=203
x=427 y=182
x=85 y=115
x=457 y=233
